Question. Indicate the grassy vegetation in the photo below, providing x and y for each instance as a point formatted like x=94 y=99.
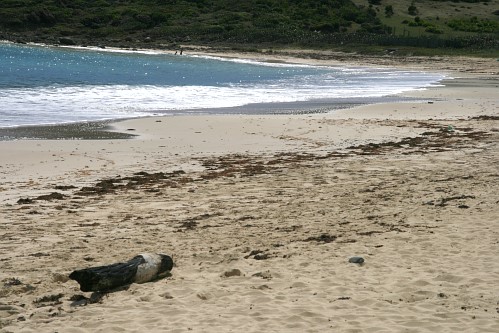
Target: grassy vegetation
x=442 y=26
x=437 y=13
x=314 y=23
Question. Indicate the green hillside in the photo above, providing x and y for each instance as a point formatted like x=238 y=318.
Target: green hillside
x=456 y=18
x=313 y=23
x=469 y=25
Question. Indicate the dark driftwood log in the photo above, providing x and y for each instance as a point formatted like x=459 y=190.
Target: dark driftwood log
x=142 y=268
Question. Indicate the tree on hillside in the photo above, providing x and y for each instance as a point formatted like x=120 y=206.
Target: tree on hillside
x=389 y=11
x=412 y=10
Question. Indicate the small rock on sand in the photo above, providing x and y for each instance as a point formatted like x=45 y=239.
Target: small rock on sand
x=356 y=260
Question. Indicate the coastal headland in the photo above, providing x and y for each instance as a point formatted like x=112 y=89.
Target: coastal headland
x=261 y=214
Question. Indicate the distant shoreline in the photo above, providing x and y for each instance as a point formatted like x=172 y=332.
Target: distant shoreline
x=438 y=63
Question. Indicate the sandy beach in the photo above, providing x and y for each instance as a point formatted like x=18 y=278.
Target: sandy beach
x=261 y=215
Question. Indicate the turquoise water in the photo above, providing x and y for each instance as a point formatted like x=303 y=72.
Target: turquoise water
x=46 y=85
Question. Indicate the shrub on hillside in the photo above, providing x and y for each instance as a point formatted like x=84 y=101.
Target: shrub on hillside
x=389 y=11
x=474 y=25
x=412 y=10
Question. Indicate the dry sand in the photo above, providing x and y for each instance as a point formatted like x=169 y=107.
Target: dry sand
x=263 y=218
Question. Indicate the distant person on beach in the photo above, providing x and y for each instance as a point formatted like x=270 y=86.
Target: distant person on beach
x=181 y=51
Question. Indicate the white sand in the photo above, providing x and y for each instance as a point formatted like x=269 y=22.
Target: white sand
x=424 y=217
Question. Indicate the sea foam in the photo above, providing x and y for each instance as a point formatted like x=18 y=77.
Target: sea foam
x=40 y=85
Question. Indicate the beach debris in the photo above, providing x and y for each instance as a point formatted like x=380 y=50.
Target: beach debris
x=324 y=238
x=261 y=256
x=264 y=275
x=46 y=197
x=356 y=260
x=65 y=187
x=203 y=296
x=81 y=300
x=139 y=179
x=257 y=255
x=166 y=295
x=443 y=201
x=51 y=196
x=39 y=254
x=12 y=282
x=25 y=201
x=232 y=272
x=485 y=117
x=450 y=129
x=54 y=298
x=140 y=269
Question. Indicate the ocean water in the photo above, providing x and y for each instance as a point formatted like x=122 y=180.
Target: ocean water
x=50 y=85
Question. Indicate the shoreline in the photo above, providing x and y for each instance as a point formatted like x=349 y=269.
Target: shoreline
x=97 y=128
x=261 y=214
x=106 y=129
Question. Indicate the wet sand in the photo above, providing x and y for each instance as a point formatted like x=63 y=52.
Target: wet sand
x=77 y=131
x=105 y=130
